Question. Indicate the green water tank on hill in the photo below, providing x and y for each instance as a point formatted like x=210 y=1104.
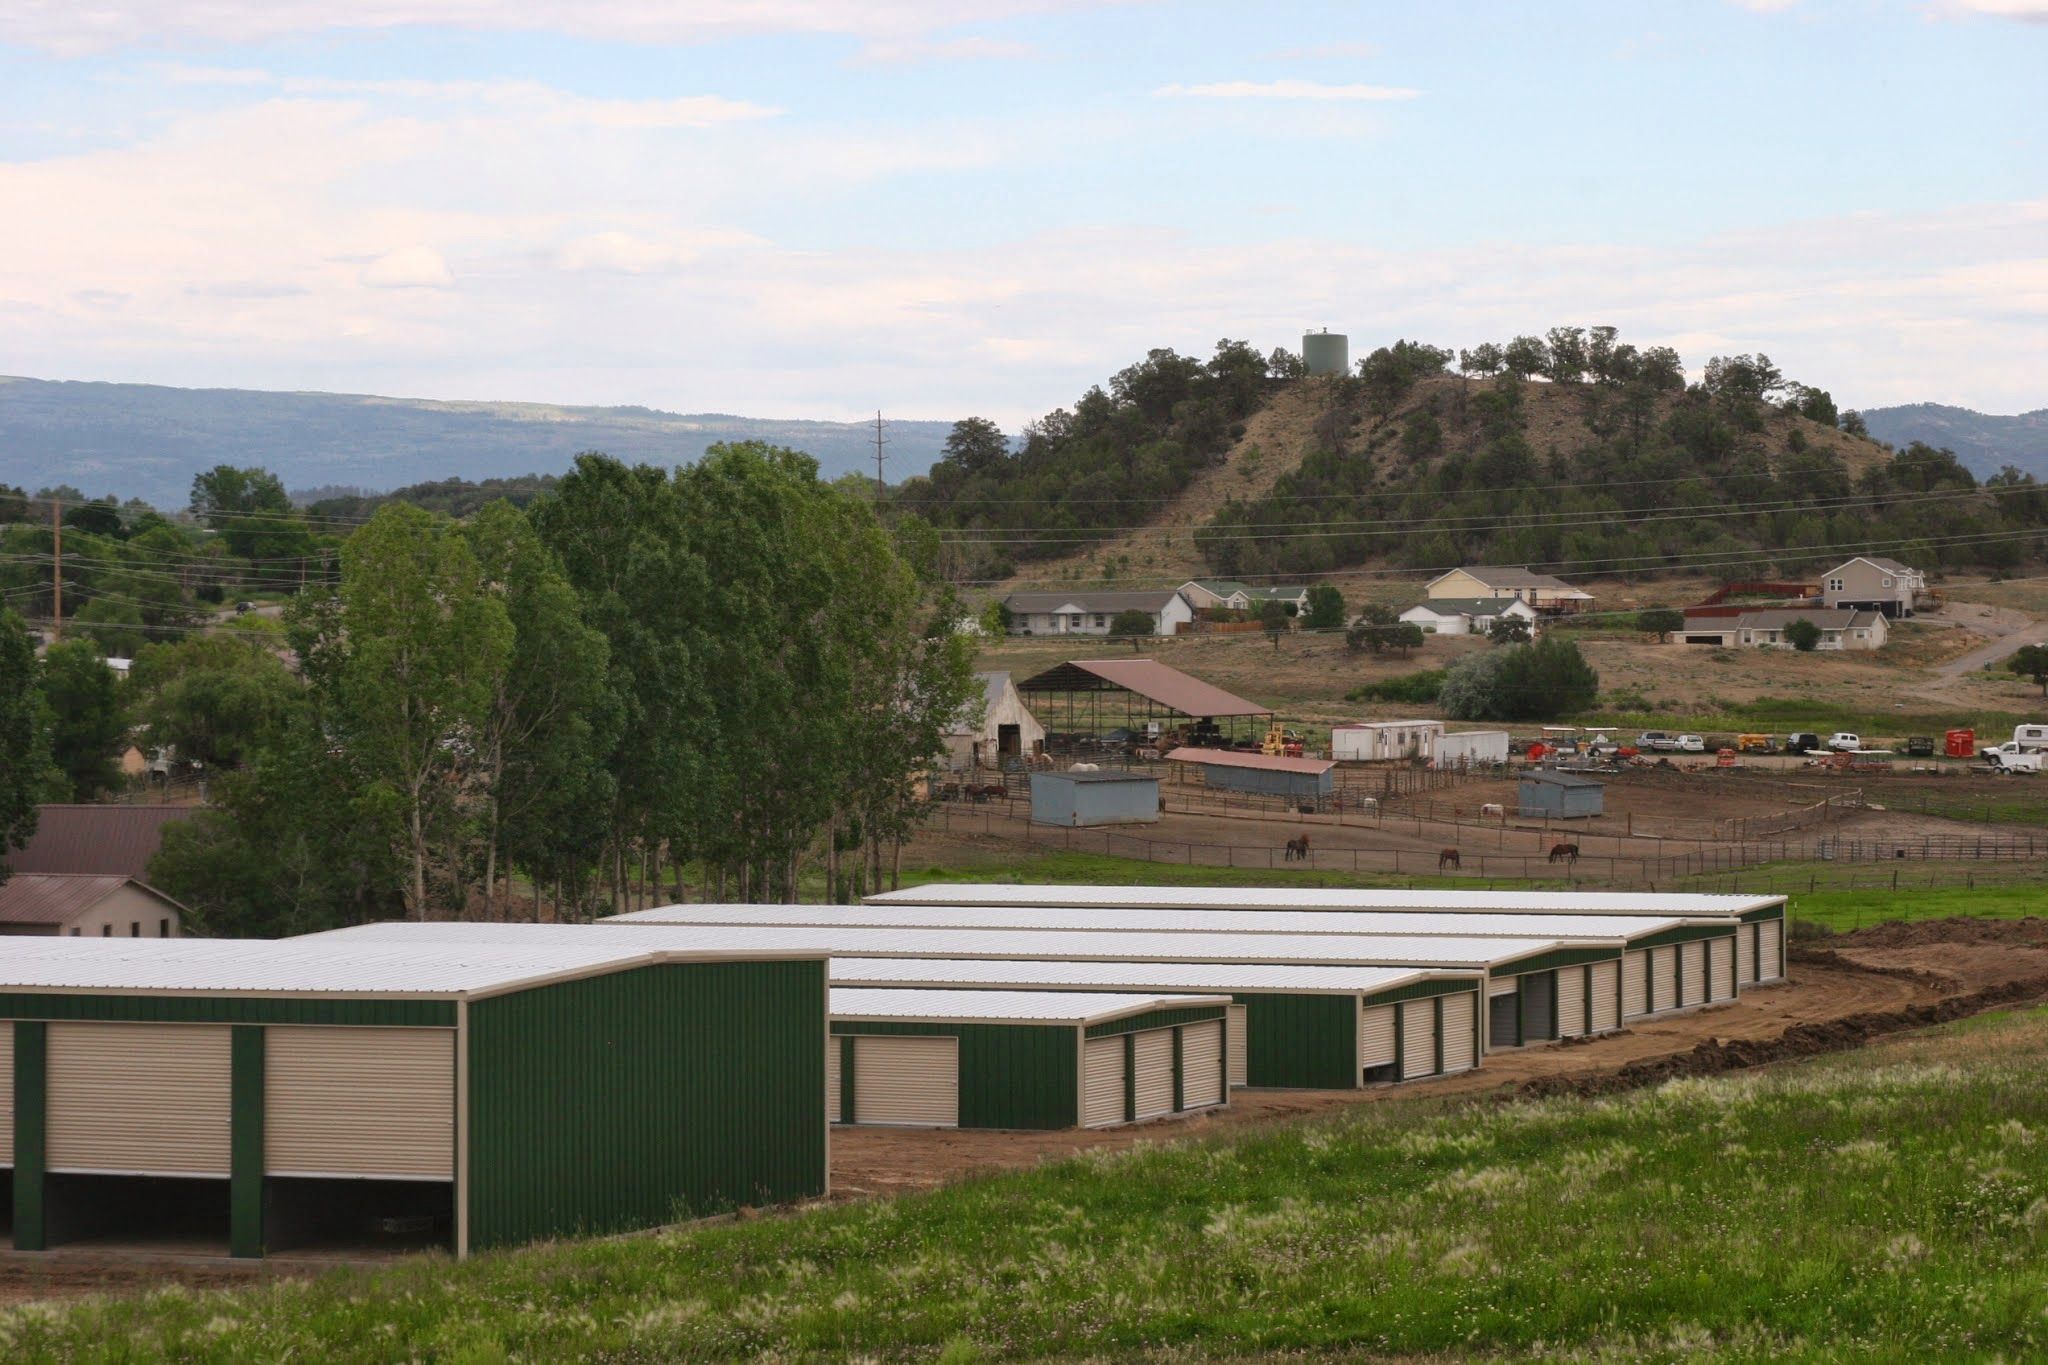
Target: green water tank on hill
x=1326 y=352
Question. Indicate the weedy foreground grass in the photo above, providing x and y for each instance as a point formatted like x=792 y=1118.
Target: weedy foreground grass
x=1887 y=1204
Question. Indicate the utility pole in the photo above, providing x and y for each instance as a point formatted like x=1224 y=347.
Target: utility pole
x=56 y=570
x=881 y=484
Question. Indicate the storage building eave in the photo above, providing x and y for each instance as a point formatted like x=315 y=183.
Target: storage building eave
x=1703 y=904
x=915 y=1005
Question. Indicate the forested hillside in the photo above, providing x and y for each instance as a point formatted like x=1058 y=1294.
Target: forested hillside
x=1986 y=442
x=1576 y=451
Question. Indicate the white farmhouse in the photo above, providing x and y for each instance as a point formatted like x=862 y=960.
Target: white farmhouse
x=1466 y=615
x=1090 y=613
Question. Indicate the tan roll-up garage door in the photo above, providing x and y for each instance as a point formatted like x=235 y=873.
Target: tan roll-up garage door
x=1571 y=1001
x=1745 y=953
x=143 y=1099
x=832 y=1102
x=1152 y=1052
x=1694 y=955
x=910 y=1081
x=1721 y=968
x=1459 y=1032
x=6 y=1094
x=1663 y=968
x=1201 y=1065
x=1240 y=1049
x=1376 y=1036
x=1418 y=1038
x=359 y=1102
x=1606 y=1005
x=1770 y=964
x=1102 y=1065
x=1635 y=975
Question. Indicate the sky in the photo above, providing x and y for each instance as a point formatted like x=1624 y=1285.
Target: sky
x=819 y=208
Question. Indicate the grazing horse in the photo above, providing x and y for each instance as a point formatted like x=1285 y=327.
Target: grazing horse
x=1564 y=853
x=1297 y=848
x=1447 y=858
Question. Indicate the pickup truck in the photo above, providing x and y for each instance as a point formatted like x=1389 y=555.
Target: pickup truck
x=2009 y=757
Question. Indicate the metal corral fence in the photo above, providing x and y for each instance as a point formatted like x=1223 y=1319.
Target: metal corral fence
x=1652 y=863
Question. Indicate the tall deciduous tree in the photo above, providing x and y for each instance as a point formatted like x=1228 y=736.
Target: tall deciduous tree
x=216 y=699
x=1325 y=608
x=88 y=722
x=24 y=759
x=423 y=651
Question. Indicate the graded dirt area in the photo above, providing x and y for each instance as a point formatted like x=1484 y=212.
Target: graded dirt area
x=1861 y=986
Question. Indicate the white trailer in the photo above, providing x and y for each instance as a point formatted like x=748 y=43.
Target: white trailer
x=1471 y=748
x=1382 y=741
x=2030 y=737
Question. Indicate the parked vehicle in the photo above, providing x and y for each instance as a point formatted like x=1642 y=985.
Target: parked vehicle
x=2009 y=757
x=1690 y=744
x=2030 y=737
x=1802 y=742
x=1755 y=744
x=1657 y=742
x=1845 y=742
x=1920 y=746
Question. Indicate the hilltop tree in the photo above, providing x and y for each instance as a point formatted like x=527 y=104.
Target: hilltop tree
x=1285 y=364
x=1567 y=347
x=1484 y=360
x=975 y=445
x=1526 y=357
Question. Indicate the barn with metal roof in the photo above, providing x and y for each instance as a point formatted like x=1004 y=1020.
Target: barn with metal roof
x=253 y=1097
x=1094 y=695
x=80 y=905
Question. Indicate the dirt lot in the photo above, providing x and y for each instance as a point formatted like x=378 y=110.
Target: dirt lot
x=1858 y=987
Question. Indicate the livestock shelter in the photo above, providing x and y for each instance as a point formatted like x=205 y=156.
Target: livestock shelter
x=1759 y=920
x=1296 y=779
x=1005 y=730
x=1094 y=798
x=353 y=1093
x=1561 y=796
x=80 y=905
x=1093 y=696
x=1022 y=1059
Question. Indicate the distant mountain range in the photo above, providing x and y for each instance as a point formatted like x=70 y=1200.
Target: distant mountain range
x=1983 y=441
x=146 y=441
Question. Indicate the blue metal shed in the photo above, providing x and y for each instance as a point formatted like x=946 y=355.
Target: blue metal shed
x=1100 y=798
x=1297 y=779
x=1562 y=796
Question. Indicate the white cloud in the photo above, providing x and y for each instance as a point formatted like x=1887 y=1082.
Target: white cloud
x=68 y=27
x=1286 y=90
x=409 y=267
x=2028 y=11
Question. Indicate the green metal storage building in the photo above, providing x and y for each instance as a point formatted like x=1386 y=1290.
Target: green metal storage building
x=321 y=1091
x=1022 y=1059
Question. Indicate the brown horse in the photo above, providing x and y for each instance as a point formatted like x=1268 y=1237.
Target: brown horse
x=1297 y=848
x=1564 y=853
x=1447 y=858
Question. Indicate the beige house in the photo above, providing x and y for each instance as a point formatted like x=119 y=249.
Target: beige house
x=79 y=905
x=1091 y=613
x=1210 y=594
x=1839 y=629
x=1873 y=583
x=1006 y=728
x=1541 y=591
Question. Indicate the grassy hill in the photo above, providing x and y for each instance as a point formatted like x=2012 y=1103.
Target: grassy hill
x=1883 y=1204
x=147 y=441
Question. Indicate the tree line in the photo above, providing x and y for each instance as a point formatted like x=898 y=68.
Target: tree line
x=724 y=676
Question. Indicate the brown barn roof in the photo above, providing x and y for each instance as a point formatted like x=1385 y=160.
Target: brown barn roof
x=1232 y=758
x=55 y=898
x=108 y=841
x=1150 y=679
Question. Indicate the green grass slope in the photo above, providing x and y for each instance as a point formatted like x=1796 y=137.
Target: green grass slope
x=1882 y=1205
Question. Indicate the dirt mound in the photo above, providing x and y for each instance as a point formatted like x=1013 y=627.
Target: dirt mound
x=2024 y=933
x=1801 y=1040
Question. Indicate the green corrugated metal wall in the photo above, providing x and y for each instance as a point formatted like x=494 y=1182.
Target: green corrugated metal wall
x=639 y=1097
x=1560 y=957
x=1138 y=1023
x=196 y=1009
x=1011 y=1075
x=1685 y=934
x=1307 y=1041
x=1768 y=912
x=1421 y=990
x=31 y=1134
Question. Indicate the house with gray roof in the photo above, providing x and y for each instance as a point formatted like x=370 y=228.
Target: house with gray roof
x=1088 y=612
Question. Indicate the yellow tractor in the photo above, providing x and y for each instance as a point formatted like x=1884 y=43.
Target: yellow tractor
x=1281 y=742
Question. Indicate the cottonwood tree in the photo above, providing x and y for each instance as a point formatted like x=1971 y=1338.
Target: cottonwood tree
x=24 y=758
x=88 y=725
x=218 y=700
x=1326 y=609
x=1134 y=624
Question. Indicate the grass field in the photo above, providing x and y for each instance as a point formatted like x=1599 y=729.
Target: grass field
x=1884 y=1204
x=1843 y=911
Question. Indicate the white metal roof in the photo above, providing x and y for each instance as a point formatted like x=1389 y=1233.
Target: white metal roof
x=317 y=965
x=1013 y=1007
x=1148 y=919
x=1129 y=976
x=1330 y=898
x=1306 y=949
